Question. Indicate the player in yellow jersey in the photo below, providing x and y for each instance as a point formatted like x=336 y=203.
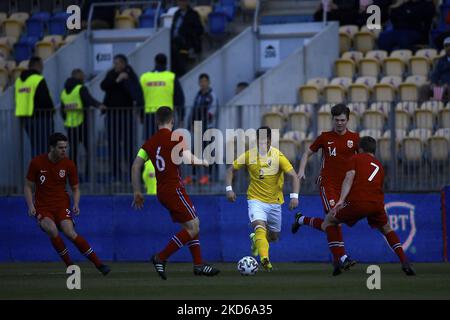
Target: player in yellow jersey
x=266 y=166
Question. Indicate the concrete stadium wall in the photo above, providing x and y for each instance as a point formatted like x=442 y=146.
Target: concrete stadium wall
x=117 y=232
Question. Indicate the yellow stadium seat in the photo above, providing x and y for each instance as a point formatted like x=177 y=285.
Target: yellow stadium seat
x=351 y=30
x=249 y=5
x=298 y=121
x=361 y=89
x=386 y=89
x=345 y=42
x=353 y=55
x=324 y=118
x=20 y=16
x=44 y=49
x=419 y=66
x=428 y=53
x=353 y=121
x=55 y=39
x=357 y=107
x=375 y=32
x=124 y=22
x=364 y=41
x=439 y=145
x=336 y=91
x=379 y=55
x=369 y=67
x=393 y=66
x=384 y=144
x=5 y=47
x=402 y=117
x=444 y=117
x=373 y=119
x=132 y=12
x=273 y=120
x=374 y=133
x=12 y=28
x=345 y=68
x=409 y=89
x=309 y=93
x=4 y=77
x=424 y=119
x=203 y=12
x=290 y=148
x=3 y=17
x=414 y=144
x=295 y=135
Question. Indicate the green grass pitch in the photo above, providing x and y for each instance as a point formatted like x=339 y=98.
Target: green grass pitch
x=287 y=281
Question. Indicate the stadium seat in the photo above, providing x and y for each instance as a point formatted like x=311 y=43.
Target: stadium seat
x=356 y=56
x=357 y=107
x=384 y=144
x=310 y=93
x=369 y=67
x=373 y=119
x=44 y=49
x=124 y=22
x=203 y=12
x=13 y=28
x=15 y=73
x=421 y=62
x=383 y=107
x=335 y=92
x=4 y=76
x=295 y=135
x=402 y=117
x=290 y=148
x=375 y=32
x=394 y=65
x=147 y=20
x=444 y=117
x=414 y=144
x=324 y=118
x=346 y=34
x=409 y=89
x=227 y=7
x=299 y=120
x=364 y=41
x=217 y=22
x=379 y=55
x=386 y=89
x=249 y=5
x=273 y=120
x=424 y=119
x=428 y=53
x=5 y=47
x=353 y=121
x=376 y=134
x=439 y=145
x=306 y=143
x=19 y=16
x=345 y=68
x=57 y=23
x=361 y=89
x=3 y=17
x=23 y=50
x=35 y=27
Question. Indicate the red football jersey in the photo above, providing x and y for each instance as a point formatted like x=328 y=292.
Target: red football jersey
x=369 y=178
x=50 y=180
x=159 y=149
x=336 y=150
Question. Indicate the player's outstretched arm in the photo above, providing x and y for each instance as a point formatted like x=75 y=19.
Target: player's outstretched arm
x=231 y=196
x=345 y=190
x=76 y=199
x=301 y=171
x=189 y=157
x=136 y=169
x=28 y=192
x=296 y=189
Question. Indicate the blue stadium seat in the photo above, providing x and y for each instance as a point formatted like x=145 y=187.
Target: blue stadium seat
x=35 y=27
x=23 y=50
x=42 y=16
x=228 y=10
x=57 y=23
x=147 y=20
x=217 y=22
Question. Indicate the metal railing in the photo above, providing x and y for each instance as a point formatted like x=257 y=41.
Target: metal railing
x=105 y=145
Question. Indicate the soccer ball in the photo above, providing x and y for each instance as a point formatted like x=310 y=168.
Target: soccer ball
x=247 y=266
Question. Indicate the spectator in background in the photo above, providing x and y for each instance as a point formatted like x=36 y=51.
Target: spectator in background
x=411 y=23
x=205 y=110
x=344 y=11
x=122 y=93
x=75 y=98
x=160 y=88
x=186 y=36
x=440 y=78
x=240 y=86
x=34 y=105
x=102 y=18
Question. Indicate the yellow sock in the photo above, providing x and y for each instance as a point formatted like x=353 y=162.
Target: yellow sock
x=261 y=242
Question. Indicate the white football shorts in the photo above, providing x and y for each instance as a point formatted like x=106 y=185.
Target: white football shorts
x=268 y=212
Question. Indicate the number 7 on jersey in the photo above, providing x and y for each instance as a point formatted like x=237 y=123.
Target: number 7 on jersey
x=374 y=173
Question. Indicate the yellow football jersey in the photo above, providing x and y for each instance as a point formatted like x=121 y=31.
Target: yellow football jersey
x=266 y=174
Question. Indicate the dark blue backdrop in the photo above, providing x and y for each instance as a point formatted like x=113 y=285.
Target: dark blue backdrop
x=117 y=232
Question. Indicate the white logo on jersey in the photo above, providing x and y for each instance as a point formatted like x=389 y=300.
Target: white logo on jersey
x=43 y=171
x=62 y=173
x=330 y=142
x=350 y=143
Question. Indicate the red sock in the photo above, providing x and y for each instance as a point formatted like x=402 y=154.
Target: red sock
x=86 y=250
x=177 y=241
x=194 y=247
x=333 y=242
x=396 y=245
x=315 y=223
x=341 y=240
x=60 y=247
